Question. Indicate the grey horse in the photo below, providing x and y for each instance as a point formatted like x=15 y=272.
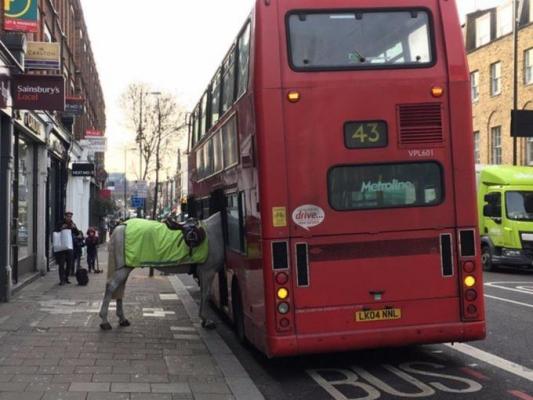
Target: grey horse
x=118 y=272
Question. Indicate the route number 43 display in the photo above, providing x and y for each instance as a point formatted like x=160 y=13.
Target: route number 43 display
x=365 y=134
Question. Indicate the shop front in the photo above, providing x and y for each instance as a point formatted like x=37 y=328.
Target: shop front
x=29 y=144
x=58 y=158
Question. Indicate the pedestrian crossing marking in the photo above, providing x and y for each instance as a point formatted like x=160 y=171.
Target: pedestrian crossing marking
x=168 y=296
x=183 y=328
x=156 y=312
x=187 y=337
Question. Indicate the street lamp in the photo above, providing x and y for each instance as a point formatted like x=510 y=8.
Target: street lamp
x=126 y=213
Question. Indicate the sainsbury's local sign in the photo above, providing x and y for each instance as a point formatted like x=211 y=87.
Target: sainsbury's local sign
x=38 y=92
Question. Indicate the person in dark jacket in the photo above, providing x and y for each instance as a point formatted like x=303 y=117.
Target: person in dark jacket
x=66 y=256
x=91 y=241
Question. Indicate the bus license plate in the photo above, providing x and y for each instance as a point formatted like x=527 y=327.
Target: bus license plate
x=378 y=315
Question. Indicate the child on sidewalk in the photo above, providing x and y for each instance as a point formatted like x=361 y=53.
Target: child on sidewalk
x=92 y=248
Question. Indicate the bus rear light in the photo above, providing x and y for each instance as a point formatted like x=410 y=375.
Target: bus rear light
x=469 y=267
x=282 y=278
x=293 y=97
x=470 y=281
x=471 y=309
x=283 y=293
x=283 y=308
x=470 y=295
x=284 y=323
x=437 y=91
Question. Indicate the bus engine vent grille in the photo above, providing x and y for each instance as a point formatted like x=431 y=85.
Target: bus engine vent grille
x=420 y=123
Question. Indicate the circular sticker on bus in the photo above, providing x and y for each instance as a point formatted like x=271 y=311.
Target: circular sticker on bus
x=308 y=216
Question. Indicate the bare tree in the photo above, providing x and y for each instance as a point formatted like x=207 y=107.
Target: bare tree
x=167 y=120
x=158 y=120
x=133 y=102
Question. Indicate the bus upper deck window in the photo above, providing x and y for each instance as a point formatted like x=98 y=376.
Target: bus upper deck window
x=360 y=39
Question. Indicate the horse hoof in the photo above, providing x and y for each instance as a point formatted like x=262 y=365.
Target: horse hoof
x=208 y=325
x=105 y=326
x=124 y=323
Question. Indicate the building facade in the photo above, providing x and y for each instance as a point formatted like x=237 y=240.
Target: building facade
x=489 y=43
x=38 y=147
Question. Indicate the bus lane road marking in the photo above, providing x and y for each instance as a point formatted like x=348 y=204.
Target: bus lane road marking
x=498 y=362
x=424 y=379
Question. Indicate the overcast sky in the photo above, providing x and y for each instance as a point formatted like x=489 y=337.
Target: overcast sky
x=173 y=45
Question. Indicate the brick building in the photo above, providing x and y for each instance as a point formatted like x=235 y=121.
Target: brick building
x=490 y=44
x=38 y=147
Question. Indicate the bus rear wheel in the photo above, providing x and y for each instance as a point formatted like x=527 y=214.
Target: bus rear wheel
x=238 y=314
x=486 y=259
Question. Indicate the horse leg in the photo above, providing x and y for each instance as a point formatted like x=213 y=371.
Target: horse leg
x=206 y=278
x=122 y=321
x=119 y=278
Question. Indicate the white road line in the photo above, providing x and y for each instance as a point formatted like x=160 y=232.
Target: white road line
x=495 y=285
x=509 y=301
x=491 y=359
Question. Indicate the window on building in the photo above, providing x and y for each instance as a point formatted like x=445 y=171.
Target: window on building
x=244 y=60
x=529 y=151
x=477 y=156
x=483 y=30
x=496 y=145
x=192 y=129
x=495 y=78
x=505 y=20
x=474 y=82
x=528 y=65
x=25 y=167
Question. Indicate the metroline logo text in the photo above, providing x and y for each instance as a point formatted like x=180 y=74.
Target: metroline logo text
x=394 y=186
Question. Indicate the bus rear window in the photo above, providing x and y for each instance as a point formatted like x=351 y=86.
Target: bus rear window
x=359 y=187
x=353 y=40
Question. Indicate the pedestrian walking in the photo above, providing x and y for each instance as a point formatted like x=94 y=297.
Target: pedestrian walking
x=65 y=258
x=91 y=241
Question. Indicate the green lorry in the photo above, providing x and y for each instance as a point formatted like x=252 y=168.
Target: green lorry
x=505 y=203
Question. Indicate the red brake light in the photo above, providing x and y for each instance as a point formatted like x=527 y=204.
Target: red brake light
x=282 y=278
x=469 y=267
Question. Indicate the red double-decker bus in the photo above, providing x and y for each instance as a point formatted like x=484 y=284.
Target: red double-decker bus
x=336 y=139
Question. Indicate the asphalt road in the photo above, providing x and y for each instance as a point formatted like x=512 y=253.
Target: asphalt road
x=500 y=367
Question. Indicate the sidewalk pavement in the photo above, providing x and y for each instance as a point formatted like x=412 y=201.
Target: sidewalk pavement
x=51 y=346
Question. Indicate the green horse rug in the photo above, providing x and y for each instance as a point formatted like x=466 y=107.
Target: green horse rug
x=141 y=243
x=153 y=244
